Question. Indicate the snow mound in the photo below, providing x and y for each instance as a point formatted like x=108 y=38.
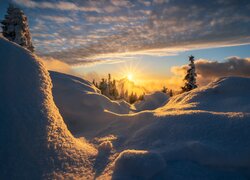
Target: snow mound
x=35 y=142
x=152 y=101
x=135 y=164
x=201 y=134
x=82 y=106
x=229 y=94
x=105 y=146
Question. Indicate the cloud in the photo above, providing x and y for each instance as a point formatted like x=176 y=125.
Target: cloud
x=88 y=6
x=57 y=19
x=111 y=27
x=56 y=65
x=208 y=71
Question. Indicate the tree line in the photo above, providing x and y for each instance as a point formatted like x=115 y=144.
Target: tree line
x=108 y=87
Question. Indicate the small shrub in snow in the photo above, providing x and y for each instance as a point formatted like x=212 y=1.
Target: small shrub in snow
x=138 y=164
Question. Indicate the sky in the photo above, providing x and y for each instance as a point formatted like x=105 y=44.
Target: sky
x=150 y=38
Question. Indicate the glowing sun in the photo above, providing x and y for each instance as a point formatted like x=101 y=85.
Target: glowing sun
x=130 y=76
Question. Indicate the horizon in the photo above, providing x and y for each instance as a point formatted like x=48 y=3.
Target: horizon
x=60 y=28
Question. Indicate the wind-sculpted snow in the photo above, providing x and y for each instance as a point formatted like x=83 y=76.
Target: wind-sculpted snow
x=202 y=134
x=229 y=94
x=35 y=143
x=82 y=105
x=141 y=164
x=152 y=101
x=195 y=143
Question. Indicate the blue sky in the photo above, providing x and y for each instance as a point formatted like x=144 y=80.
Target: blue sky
x=102 y=36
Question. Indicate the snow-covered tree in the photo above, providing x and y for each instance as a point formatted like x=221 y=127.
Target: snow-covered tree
x=15 y=27
x=190 y=78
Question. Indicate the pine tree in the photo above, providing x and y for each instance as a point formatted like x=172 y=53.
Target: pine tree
x=133 y=98
x=122 y=94
x=164 y=89
x=126 y=96
x=15 y=27
x=190 y=78
x=141 y=97
x=103 y=87
x=115 y=91
x=170 y=93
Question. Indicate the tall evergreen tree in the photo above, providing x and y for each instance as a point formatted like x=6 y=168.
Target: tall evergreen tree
x=15 y=27
x=190 y=78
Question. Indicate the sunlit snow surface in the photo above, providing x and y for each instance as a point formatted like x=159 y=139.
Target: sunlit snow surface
x=203 y=134
x=35 y=142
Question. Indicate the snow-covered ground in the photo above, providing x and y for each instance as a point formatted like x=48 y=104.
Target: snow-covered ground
x=34 y=140
x=82 y=105
x=202 y=134
x=152 y=101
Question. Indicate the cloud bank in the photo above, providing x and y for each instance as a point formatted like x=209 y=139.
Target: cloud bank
x=208 y=71
x=95 y=31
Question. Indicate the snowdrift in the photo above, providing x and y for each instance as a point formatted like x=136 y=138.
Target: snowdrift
x=229 y=94
x=35 y=143
x=198 y=137
x=86 y=111
x=83 y=107
x=152 y=101
x=202 y=134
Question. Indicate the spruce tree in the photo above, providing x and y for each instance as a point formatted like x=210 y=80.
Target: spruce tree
x=170 y=93
x=15 y=27
x=115 y=91
x=190 y=78
x=164 y=89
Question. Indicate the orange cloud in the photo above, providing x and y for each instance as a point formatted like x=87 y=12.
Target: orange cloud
x=56 y=65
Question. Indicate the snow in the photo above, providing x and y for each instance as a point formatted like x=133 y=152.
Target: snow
x=152 y=101
x=138 y=164
x=206 y=130
x=229 y=94
x=35 y=142
x=82 y=106
x=201 y=134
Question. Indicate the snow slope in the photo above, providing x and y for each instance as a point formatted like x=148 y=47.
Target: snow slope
x=193 y=143
x=85 y=110
x=82 y=105
x=35 y=143
x=229 y=94
x=152 y=101
x=201 y=134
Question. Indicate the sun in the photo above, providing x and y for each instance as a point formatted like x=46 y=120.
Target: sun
x=130 y=76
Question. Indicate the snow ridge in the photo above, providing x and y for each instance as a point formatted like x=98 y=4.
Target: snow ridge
x=35 y=142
